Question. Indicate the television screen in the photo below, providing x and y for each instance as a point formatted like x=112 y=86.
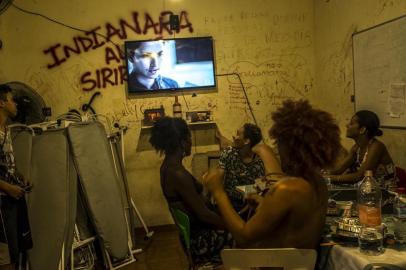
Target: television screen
x=169 y=64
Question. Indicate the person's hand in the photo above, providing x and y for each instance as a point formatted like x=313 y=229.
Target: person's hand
x=28 y=186
x=224 y=142
x=27 y=182
x=15 y=191
x=268 y=157
x=213 y=180
x=325 y=172
x=329 y=177
x=253 y=200
x=260 y=183
x=218 y=134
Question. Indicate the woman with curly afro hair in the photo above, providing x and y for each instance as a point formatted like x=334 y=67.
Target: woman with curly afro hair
x=171 y=137
x=292 y=213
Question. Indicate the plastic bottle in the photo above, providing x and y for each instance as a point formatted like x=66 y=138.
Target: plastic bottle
x=400 y=215
x=326 y=176
x=177 y=108
x=369 y=199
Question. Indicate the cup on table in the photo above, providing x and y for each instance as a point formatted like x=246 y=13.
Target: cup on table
x=370 y=240
x=344 y=208
x=326 y=176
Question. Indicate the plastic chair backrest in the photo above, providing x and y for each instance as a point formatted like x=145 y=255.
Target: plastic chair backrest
x=285 y=258
x=183 y=223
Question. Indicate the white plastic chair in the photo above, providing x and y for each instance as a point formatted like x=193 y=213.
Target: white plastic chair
x=284 y=258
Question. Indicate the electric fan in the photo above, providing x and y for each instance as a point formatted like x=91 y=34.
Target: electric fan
x=4 y=4
x=31 y=107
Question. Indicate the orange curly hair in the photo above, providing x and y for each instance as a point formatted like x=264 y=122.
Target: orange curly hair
x=308 y=138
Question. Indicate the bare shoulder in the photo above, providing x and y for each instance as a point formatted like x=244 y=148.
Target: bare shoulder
x=289 y=193
x=378 y=144
x=354 y=149
x=293 y=185
x=261 y=148
x=178 y=175
x=377 y=148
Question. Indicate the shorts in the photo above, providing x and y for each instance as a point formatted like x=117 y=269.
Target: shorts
x=15 y=235
x=4 y=252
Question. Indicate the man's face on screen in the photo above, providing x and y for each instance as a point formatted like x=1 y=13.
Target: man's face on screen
x=148 y=58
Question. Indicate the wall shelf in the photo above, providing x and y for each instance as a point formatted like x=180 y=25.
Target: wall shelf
x=192 y=125
x=203 y=134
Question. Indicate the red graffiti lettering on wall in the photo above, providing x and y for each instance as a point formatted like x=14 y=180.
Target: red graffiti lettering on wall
x=106 y=76
x=103 y=77
x=117 y=55
x=92 y=40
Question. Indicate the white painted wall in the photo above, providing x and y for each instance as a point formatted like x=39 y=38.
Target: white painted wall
x=303 y=47
x=335 y=21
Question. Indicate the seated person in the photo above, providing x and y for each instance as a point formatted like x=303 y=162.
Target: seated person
x=171 y=137
x=244 y=161
x=367 y=154
x=146 y=59
x=292 y=213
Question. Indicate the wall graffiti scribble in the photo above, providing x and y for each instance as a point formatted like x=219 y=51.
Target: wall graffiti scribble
x=93 y=39
x=285 y=70
x=103 y=77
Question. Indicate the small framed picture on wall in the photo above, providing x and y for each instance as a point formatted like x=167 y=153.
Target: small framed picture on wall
x=152 y=115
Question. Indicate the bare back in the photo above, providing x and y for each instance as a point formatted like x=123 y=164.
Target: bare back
x=292 y=214
x=182 y=191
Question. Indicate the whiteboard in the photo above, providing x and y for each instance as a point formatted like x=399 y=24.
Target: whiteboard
x=379 y=56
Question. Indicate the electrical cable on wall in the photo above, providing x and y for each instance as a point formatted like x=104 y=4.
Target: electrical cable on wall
x=195 y=142
x=174 y=24
x=63 y=24
x=4 y=4
x=187 y=105
x=245 y=93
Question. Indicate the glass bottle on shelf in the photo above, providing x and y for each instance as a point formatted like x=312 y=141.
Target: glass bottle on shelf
x=177 y=108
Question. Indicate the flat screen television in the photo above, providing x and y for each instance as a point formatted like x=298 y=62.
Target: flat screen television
x=169 y=65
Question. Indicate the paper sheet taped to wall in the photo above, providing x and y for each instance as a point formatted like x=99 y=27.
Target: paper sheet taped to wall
x=396 y=99
x=380 y=72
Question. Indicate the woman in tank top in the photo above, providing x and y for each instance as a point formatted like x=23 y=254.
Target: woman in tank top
x=368 y=153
